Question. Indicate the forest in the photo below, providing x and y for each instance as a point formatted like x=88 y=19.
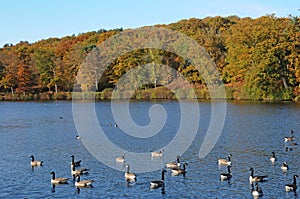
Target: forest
x=258 y=59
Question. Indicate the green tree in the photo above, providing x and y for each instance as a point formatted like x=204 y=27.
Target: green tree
x=47 y=64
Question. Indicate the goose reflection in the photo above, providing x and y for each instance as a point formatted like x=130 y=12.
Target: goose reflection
x=163 y=190
x=53 y=188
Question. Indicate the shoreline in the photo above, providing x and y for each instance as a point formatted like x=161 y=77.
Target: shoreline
x=159 y=93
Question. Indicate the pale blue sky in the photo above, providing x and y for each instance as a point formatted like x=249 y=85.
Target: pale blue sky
x=33 y=20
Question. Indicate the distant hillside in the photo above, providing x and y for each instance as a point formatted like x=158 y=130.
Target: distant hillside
x=258 y=59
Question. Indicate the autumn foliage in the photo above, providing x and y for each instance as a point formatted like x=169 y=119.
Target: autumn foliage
x=257 y=59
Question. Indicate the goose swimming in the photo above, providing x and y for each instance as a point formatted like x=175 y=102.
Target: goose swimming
x=83 y=183
x=77 y=163
x=121 y=159
x=179 y=171
x=174 y=165
x=58 y=180
x=226 y=176
x=34 y=163
x=253 y=178
x=78 y=172
x=273 y=157
x=224 y=161
x=157 y=153
x=128 y=175
x=292 y=187
x=158 y=183
x=284 y=167
x=257 y=191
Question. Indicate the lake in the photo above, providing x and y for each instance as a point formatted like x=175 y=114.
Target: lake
x=47 y=130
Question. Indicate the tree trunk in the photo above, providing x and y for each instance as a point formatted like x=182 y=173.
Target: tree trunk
x=282 y=74
x=155 y=78
x=12 y=92
x=96 y=79
x=55 y=86
x=284 y=82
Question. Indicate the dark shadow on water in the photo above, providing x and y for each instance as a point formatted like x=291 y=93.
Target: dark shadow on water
x=79 y=189
x=55 y=185
x=130 y=182
x=35 y=167
x=163 y=190
x=289 y=194
x=53 y=188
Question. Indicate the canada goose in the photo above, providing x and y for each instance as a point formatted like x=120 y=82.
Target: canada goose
x=273 y=157
x=292 y=187
x=158 y=183
x=78 y=172
x=288 y=139
x=129 y=176
x=174 y=165
x=226 y=176
x=35 y=162
x=253 y=178
x=179 y=171
x=58 y=180
x=77 y=163
x=78 y=137
x=284 y=167
x=288 y=149
x=157 y=153
x=257 y=192
x=224 y=161
x=83 y=183
x=293 y=143
x=121 y=159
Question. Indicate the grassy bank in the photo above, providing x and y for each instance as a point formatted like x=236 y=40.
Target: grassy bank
x=232 y=93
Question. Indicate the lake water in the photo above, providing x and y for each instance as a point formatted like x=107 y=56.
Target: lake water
x=47 y=131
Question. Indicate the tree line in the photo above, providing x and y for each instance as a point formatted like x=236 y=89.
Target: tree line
x=257 y=58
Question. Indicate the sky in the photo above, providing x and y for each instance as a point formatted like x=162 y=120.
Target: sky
x=33 y=20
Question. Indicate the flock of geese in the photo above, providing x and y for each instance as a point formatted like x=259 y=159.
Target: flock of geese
x=255 y=179
x=177 y=168
x=76 y=173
